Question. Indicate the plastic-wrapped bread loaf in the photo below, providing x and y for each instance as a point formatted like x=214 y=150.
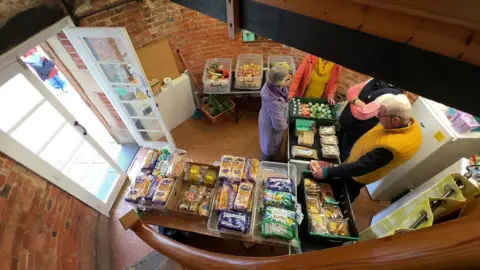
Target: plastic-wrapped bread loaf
x=329 y=140
x=328 y=130
x=330 y=151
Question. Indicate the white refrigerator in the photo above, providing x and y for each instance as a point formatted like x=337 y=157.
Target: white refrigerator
x=441 y=146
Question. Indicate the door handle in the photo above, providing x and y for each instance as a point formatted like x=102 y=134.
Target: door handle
x=76 y=123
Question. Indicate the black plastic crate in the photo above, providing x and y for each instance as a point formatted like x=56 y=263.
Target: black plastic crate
x=326 y=241
x=318 y=121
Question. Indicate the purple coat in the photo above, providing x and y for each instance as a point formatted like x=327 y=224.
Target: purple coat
x=273 y=117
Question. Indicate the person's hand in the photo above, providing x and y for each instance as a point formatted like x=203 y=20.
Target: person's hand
x=318 y=173
x=331 y=100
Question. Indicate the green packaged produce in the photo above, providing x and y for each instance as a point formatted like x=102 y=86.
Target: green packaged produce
x=278 y=198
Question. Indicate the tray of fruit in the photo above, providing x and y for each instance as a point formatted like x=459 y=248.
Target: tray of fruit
x=309 y=108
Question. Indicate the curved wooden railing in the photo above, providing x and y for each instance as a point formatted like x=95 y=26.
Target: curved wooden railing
x=452 y=245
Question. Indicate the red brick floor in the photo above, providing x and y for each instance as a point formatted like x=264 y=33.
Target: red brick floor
x=206 y=143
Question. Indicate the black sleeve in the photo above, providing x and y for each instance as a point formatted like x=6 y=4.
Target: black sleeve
x=369 y=162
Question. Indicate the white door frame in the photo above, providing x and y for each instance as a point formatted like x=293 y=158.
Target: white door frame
x=76 y=35
x=11 y=65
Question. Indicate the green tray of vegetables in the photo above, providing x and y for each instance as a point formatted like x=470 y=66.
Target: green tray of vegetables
x=317 y=109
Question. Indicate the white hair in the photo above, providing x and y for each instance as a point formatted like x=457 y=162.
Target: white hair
x=396 y=105
x=277 y=74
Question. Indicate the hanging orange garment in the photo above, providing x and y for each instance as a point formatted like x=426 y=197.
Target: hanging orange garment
x=319 y=79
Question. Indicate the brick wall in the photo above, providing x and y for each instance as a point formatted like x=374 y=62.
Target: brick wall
x=41 y=226
x=198 y=36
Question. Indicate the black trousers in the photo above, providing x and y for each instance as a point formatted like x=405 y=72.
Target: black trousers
x=353 y=188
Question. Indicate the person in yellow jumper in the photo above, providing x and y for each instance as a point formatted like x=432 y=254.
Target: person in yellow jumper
x=315 y=78
x=391 y=143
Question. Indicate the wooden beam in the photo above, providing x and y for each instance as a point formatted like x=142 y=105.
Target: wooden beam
x=451 y=245
x=428 y=74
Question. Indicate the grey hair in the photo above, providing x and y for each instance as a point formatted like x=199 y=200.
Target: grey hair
x=276 y=75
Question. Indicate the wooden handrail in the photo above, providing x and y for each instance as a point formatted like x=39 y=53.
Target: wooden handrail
x=451 y=245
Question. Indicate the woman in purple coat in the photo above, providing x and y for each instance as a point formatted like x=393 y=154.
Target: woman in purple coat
x=273 y=117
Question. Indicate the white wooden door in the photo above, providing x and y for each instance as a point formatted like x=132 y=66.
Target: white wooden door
x=40 y=133
x=111 y=59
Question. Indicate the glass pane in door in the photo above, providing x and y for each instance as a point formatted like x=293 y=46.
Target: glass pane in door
x=62 y=147
x=17 y=98
x=105 y=49
x=119 y=73
x=39 y=128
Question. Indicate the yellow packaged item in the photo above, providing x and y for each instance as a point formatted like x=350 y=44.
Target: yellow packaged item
x=163 y=191
x=304 y=152
x=210 y=177
x=306 y=138
x=242 y=199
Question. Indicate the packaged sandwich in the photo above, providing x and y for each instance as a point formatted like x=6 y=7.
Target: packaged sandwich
x=313 y=205
x=304 y=152
x=331 y=211
x=243 y=197
x=318 y=224
x=326 y=193
x=319 y=164
x=337 y=227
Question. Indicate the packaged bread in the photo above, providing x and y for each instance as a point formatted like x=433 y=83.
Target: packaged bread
x=244 y=194
x=327 y=130
x=150 y=160
x=176 y=165
x=328 y=140
x=330 y=151
x=313 y=205
x=163 y=191
x=304 y=152
x=326 y=193
x=312 y=188
x=238 y=165
x=226 y=164
x=306 y=138
x=251 y=169
x=135 y=187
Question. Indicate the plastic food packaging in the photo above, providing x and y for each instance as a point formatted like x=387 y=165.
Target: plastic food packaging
x=204 y=207
x=135 y=187
x=150 y=160
x=313 y=205
x=304 y=152
x=306 y=138
x=329 y=140
x=210 y=177
x=278 y=198
x=193 y=173
x=226 y=166
x=188 y=198
x=337 y=227
x=331 y=211
x=244 y=194
x=238 y=165
x=312 y=188
x=176 y=165
x=152 y=187
x=327 y=130
x=302 y=125
x=228 y=192
x=319 y=164
x=280 y=184
x=235 y=221
x=251 y=169
x=279 y=223
x=163 y=191
x=162 y=165
x=330 y=151
x=318 y=224
x=326 y=194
